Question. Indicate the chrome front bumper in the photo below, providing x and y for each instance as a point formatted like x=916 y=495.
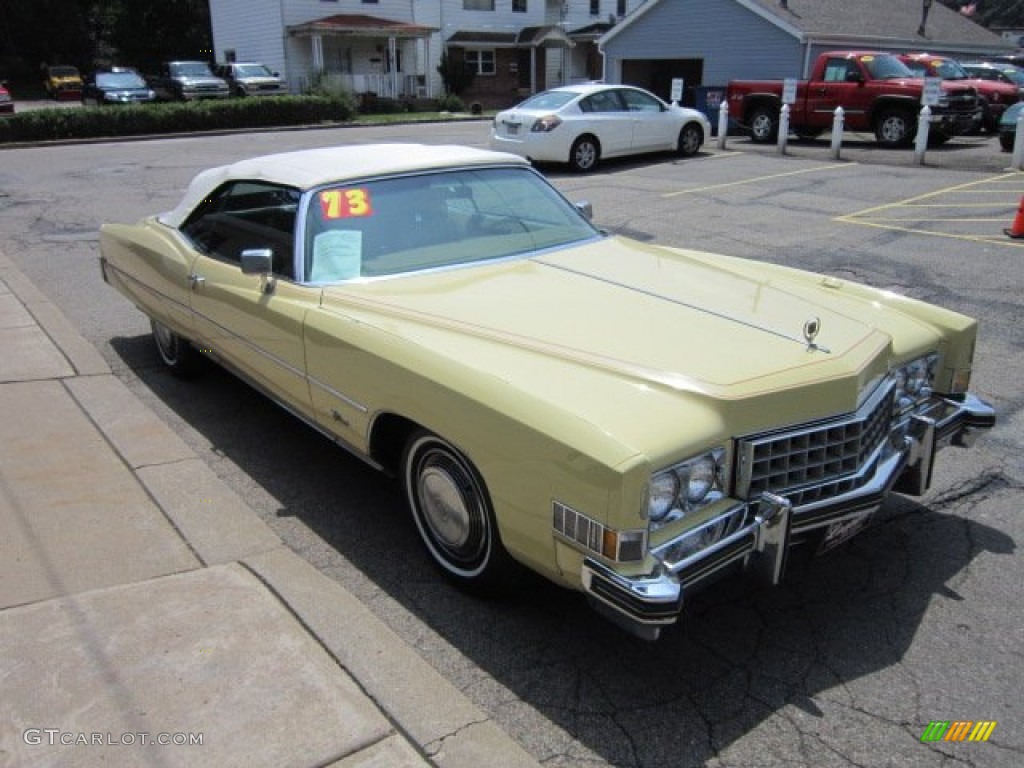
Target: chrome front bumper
x=645 y=604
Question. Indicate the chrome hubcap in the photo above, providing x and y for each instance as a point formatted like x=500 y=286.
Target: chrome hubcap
x=444 y=508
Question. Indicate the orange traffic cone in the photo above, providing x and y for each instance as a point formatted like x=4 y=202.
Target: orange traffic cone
x=1017 y=230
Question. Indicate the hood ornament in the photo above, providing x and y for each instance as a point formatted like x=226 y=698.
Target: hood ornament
x=811 y=330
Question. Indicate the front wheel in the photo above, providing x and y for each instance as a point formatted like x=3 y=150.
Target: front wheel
x=584 y=154
x=895 y=128
x=764 y=125
x=1006 y=141
x=690 y=139
x=452 y=512
x=176 y=353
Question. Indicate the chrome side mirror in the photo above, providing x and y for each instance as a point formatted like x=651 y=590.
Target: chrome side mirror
x=257 y=261
x=584 y=207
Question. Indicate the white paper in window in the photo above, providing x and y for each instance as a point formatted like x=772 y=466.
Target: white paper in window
x=337 y=255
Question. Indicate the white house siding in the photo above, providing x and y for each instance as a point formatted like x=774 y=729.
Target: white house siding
x=252 y=29
x=732 y=40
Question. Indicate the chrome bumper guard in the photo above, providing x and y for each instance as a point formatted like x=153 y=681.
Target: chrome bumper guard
x=644 y=604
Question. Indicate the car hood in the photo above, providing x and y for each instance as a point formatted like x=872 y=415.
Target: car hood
x=199 y=79
x=618 y=319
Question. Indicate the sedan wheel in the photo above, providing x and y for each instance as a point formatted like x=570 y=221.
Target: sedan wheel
x=177 y=354
x=584 y=154
x=452 y=511
x=690 y=139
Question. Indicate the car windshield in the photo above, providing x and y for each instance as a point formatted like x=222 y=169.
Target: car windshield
x=548 y=100
x=947 y=69
x=119 y=80
x=252 y=70
x=885 y=67
x=414 y=223
x=190 y=69
x=63 y=72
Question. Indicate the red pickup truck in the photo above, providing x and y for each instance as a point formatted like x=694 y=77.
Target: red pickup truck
x=875 y=89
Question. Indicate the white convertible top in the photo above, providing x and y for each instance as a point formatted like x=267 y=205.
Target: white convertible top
x=309 y=168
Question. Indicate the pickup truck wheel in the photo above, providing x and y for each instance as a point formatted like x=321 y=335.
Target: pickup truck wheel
x=178 y=354
x=690 y=139
x=584 y=154
x=764 y=125
x=452 y=512
x=895 y=128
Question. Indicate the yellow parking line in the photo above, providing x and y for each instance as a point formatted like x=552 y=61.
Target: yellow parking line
x=757 y=179
x=873 y=217
x=993 y=239
x=853 y=216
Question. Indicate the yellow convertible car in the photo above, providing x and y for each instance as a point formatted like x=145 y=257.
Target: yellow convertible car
x=628 y=420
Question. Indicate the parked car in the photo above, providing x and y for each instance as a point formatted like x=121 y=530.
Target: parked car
x=6 y=102
x=994 y=96
x=1008 y=126
x=994 y=70
x=187 y=81
x=62 y=81
x=583 y=124
x=116 y=86
x=246 y=78
x=545 y=392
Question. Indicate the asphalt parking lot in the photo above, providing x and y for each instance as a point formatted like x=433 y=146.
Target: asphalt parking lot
x=917 y=620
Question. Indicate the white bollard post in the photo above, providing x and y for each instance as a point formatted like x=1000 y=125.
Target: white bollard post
x=783 y=128
x=837 y=131
x=723 y=122
x=921 y=142
x=1017 y=159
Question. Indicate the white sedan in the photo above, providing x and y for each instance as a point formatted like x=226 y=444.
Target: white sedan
x=581 y=124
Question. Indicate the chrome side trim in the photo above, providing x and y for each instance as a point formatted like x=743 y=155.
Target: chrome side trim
x=340 y=442
x=315 y=382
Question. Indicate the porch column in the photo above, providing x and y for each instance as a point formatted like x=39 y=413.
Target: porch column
x=317 y=43
x=533 y=69
x=393 y=58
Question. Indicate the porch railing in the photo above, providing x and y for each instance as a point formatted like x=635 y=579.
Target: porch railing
x=384 y=86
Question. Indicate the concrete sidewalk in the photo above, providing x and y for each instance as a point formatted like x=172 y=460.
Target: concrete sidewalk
x=148 y=617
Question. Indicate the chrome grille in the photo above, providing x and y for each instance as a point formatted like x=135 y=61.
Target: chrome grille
x=815 y=461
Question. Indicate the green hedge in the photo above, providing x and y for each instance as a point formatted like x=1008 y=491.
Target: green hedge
x=145 y=119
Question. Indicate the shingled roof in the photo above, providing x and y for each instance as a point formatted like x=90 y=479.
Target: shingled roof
x=896 y=20
x=888 y=23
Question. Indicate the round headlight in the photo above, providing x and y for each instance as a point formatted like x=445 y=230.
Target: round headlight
x=702 y=479
x=662 y=493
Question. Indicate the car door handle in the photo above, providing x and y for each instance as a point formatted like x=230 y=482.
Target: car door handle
x=195 y=280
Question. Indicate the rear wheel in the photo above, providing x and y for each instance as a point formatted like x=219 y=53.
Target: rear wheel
x=177 y=354
x=452 y=512
x=584 y=155
x=894 y=128
x=1006 y=141
x=764 y=125
x=690 y=139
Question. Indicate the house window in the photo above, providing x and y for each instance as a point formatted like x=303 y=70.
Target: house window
x=595 y=7
x=518 y=6
x=370 y=2
x=620 y=8
x=478 y=5
x=481 y=62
